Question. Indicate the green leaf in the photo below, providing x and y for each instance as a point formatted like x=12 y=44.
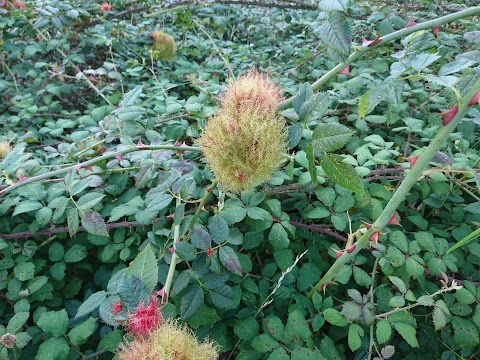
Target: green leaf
x=43 y=216
x=54 y=322
x=331 y=5
x=229 y=259
x=355 y=333
x=80 y=333
x=53 y=349
x=408 y=333
x=191 y=302
x=111 y=341
x=257 y=213
x=314 y=107
x=233 y=214
x=200 y=238
x=145 y=268
x=296 y=328
x=264 y=343
x=329 y=137
x=295 y=132
x=131 y=291
x=218 y=229
x=363 y=105
x=304 y=93
x=72 y=221
x=425 y=300
x=383 y=331
x=246 y=328
x=336 y=35
x=311 y=163
x=439 y=319
x=75 y=254
x=17 y=321
x=274 y=326
x=205 y=316
x=159 y=202
x=91 y=303
x=24 y=271
x=361 y=277
x=278 y=237
x=343 y=174
x=132 y=96
x=465 y=334
x=351 y=310
x=398 y=283
x=89 y=200
x=27 y=206
x=185 y=251
x=335 y=318
x=222 y=296
x=423 y=60
x=388 y=351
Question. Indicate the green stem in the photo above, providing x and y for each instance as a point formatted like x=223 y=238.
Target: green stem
x=173 y=262
x=372 y=298
x=176 y=236
x=96 y=160
x=384 y=40
x=402 y=191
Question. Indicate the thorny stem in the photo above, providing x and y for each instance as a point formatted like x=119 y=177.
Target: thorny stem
x=97 y=159
x=399 y=196
x=384 y=40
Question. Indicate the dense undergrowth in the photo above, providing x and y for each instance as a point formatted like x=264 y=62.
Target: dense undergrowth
x=101 y=170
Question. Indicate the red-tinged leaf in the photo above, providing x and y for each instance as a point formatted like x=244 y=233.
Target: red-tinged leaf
x=93 y=222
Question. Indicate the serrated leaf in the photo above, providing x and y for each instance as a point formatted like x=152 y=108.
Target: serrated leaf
x=17 y=321
x=191 y=302
x=311 y=163
x=351 y=310
x=144 y=175
x=439 y=319
x=341 y=173
x=355 y=295
x=383 y=331
x=129 y=208
x=218 y=229
x=387 y=351
x=145 y=268
x=398 y=283
x=93 y=222
x=53 y=348
x=89 y=200
x=336 y=34
x=54 y=322
x=363 y=105
x=335 y=318
x=131 y=291
x=159 y=202
x=229 y=259
x=465 y=334
x=200 y=238
x=91 y=303
x=132 y=96
x=425 y=300
x=72 y=221
x=423 y=60
x=80 y=333
x=355 y=332
x=304 y=93
x=331 y=5
x=27 y=206
x=408 y=333
x=314 y=107
x=329 y=137
x=222 y=296
x=205 y=316
x=130 y=113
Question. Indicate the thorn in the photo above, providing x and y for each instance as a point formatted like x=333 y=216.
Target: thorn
x=140 y=143
x=118 y=157
x=475 y=99
x=22 y=178
x=324 y=286
x=412 y=160
x=394 y=220
x=449 y=114
x=172 y=250
x=351 y=248
x=371 y=43
x=411 y=22
x=374 y=237
x=78 y=166
x=435 y=30
x=338 y=253
x=345 y=71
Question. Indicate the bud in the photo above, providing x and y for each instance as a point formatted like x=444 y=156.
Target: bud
x=5 y=148
x=245 y=142
x=163 y=47
x=168 y=341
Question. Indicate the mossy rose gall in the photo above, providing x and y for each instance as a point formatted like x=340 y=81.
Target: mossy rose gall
x=245 y=142
x=163 y=47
